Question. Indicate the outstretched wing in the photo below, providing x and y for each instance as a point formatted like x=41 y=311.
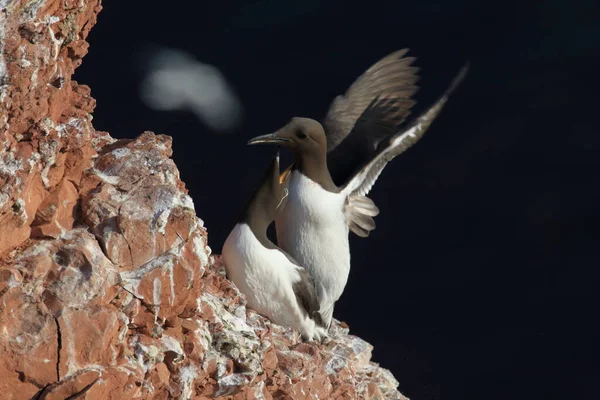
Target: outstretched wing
x=362 y=182
x=371 y=109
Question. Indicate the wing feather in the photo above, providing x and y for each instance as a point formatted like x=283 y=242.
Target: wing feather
x=392 y=79
x=362 y=182
x=306 y=292
x=359 y=212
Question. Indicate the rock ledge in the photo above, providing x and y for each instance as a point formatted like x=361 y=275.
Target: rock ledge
x=108 y=289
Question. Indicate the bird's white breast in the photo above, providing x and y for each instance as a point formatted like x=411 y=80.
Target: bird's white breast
x=313 y=229
x=265 y=276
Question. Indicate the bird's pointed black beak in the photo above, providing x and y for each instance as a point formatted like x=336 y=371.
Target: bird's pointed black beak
x=269 y=138
x=276 y=163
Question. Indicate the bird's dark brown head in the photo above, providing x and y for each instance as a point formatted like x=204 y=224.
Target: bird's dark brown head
x=267 y=200
x=306 y=138
x=301 y=135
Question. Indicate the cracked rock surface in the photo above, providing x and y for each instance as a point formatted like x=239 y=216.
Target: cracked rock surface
x=108 y=289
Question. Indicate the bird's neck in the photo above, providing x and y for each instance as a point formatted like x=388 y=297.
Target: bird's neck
x=260 y=232
x=259 y=222
x=257 y=219
x=260 y=212
x=313 y=165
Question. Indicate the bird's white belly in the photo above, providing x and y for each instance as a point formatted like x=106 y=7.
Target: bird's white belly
x=313 y=229
x=265 y=276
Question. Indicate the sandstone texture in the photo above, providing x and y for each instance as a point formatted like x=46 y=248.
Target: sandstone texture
x=108 y=289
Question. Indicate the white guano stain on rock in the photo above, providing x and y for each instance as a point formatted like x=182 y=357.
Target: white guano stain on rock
x=187 y=375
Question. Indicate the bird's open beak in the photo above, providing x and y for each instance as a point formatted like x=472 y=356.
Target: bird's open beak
x=270 y=138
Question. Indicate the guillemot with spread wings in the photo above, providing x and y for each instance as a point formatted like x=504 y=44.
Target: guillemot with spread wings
x=362 y=131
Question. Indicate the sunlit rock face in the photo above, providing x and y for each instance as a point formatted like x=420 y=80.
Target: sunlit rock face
x=108 y=289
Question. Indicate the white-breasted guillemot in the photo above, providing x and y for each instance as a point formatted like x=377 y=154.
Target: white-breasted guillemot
x=360 y=134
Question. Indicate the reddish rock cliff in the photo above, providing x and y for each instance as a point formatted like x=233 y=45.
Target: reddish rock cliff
x=107 y=286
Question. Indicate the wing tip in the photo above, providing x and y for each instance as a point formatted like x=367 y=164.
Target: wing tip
x=459 y=78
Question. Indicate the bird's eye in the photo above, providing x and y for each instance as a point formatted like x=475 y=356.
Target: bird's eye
x=300 y=135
